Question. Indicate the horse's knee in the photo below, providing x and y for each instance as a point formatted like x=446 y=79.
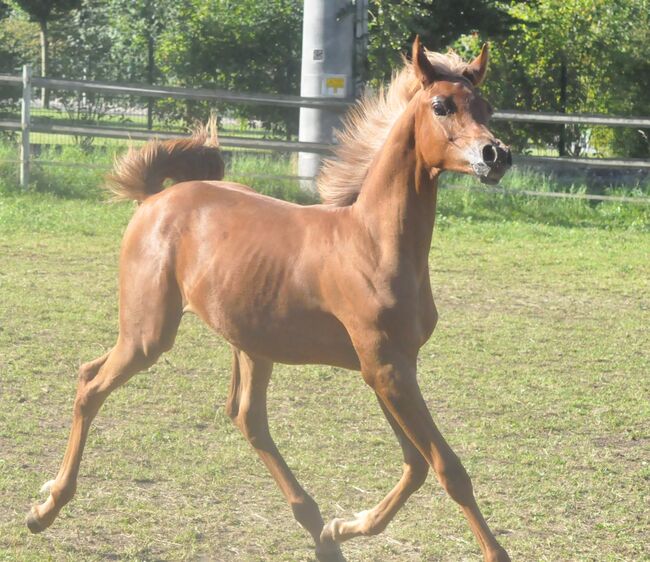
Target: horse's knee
x=87 y=401
x=131 y=356
x=388 y=382
x=86 y=398
x=455 y=480
x=88 y=371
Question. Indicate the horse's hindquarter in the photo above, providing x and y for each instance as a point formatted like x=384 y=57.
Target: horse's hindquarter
x=250 y=267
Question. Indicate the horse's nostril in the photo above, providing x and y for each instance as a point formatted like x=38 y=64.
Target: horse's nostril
x=489 y=154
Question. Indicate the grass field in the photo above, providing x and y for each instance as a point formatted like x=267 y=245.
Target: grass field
x=538 y=374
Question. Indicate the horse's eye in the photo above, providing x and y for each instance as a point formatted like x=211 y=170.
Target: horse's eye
x=439 y=108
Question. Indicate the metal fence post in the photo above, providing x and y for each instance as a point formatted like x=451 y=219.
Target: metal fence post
x=24 y=126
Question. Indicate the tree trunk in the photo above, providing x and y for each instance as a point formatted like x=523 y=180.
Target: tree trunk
x=45 y=61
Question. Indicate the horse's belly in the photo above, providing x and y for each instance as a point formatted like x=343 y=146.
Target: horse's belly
x=300 y=337
x=315 y=338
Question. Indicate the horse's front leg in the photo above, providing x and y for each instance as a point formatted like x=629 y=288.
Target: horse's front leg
x=392 y=375
x=375 y=520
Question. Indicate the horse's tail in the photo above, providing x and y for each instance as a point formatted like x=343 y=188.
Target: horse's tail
x=139 y=173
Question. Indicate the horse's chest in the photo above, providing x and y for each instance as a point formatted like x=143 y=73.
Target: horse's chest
x=409 y=316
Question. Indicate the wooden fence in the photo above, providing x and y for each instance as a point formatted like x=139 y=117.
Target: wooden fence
x=26 y=126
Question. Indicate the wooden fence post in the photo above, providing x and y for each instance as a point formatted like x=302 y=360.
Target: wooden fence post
x=24 y=126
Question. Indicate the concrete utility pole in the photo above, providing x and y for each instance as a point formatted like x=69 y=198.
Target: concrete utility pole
x=360 y=47
x=327 y=70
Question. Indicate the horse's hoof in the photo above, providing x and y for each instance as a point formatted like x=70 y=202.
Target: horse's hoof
x=329 y=550
x=33 y=523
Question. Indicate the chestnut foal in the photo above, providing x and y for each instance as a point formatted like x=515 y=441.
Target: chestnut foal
x=345 y=283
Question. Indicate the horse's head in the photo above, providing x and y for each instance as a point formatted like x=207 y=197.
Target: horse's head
x=451 y=120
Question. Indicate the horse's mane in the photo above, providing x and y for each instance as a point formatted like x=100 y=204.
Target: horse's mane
x=366 y=128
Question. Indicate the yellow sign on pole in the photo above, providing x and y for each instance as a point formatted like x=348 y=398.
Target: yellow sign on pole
x=335 y=85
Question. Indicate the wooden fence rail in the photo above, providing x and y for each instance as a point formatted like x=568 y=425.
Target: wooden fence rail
x=292 y=146
x=284 y=100
x=27 y=126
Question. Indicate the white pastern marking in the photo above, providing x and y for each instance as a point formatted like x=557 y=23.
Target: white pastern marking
x=45 y=488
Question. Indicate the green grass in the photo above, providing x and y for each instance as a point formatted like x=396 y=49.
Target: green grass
x=81 y=174
x=538 y=375
x=475 y=204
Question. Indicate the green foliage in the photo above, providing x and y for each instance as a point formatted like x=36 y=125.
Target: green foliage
x=9 y=165
x=474 y=204
x=255 y=46
x=80 y=176
x=74 y=174
x=604 y=49
x=254 y=169
x=244 y=45
x=18 y=45
x=135 y=29
x=43 y=11
x=110 y=39
x=5 y=10
x=393 y=25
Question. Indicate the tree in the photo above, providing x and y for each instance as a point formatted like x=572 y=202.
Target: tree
x=18 y=46
x=138 y=27
x=252 y=45
x=393 y=25
x=583 y=56
x=42 y=12
x=5 y=10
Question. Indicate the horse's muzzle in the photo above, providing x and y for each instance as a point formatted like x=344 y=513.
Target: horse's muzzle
x=494 y=163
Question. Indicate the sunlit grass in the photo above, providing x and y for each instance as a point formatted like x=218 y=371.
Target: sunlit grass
x=537 y=374
x=80 y=175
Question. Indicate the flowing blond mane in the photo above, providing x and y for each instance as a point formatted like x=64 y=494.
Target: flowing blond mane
x=366 y=128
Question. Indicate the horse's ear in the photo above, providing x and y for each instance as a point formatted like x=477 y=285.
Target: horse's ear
x=422 y=65
x=477 y=69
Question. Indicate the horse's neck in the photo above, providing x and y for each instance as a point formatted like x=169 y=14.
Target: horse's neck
x=398 y=200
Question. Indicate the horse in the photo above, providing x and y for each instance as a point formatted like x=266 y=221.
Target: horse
x=342 y=283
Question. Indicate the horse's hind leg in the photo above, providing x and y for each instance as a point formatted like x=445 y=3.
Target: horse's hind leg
x=149 y=318
x=375 y=520
x=246 y=405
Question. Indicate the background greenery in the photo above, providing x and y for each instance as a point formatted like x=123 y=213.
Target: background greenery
x=547 y=55
x=80 y=175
